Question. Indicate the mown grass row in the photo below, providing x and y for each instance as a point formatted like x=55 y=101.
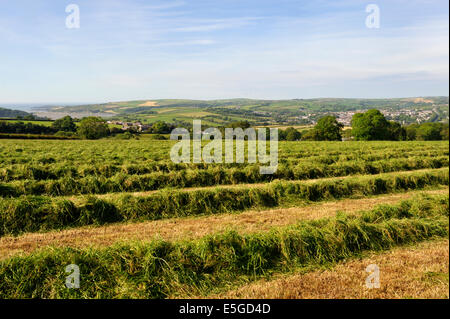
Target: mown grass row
x=51 y=169
x=210 y=177
x=111 y=157
x=163 y=269
x=37 y=213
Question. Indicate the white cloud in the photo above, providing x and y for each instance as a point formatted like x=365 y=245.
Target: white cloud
x=126 y=50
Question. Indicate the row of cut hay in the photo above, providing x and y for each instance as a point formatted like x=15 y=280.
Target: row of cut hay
x=208 y=177
x=161 y=269
x=37 y=213
x=49 y=168
x=142 y=152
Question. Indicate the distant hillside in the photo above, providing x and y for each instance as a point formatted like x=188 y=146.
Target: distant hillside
x=264 y=112
x=7 y=113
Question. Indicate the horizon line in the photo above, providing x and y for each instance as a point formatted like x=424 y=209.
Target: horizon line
x=36 y=104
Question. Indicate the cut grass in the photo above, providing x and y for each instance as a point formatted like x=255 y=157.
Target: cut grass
x=161 y=269
x=63 y=181
x=35 y=213
x=194 y=227
x=406 y=272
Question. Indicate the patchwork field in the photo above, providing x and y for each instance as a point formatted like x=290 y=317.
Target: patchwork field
x=295 y=112
x=140 y=226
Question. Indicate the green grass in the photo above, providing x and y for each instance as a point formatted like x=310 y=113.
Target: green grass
x=38 y=181
x=436 y=277
x=74 y=167
x=161 y=269
x=43 y=123
x=36 y=175
x=37 y=213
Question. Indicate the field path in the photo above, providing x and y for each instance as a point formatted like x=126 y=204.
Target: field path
x=405 y=272
x=194 y=227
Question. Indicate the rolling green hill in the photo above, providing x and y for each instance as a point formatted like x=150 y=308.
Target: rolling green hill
x=7 y=113
x=265 y=112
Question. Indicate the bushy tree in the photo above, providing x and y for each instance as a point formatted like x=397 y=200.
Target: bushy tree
x=242 y=124
x=160 y=127
x=328 y=129
x=429 y=132
x=65 y=124
x=115 y=131
x=289 y=134
x=292 y=134
x=411 y=132
x=370 y=126
x=396 y=131
x=310 y=135
x=92 y=128
x=444 y=133
x=24 y=128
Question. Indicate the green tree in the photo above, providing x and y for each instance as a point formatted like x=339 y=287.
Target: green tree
x=291 y=134
x=65 y=124
x=396 y=131
x=370 y=126
x=281 y=134
x=242 y=124
x=444 y=133
x=411 y=132
x=160 y=127
x=429 y=132
x=310 y=135
x=328 y=129
x=92 y=128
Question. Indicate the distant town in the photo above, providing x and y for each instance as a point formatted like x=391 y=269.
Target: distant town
x=139 y=116
x=402 y=116
x=131 y=126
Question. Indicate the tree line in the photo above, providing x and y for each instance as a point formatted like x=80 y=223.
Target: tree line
x=87 y=128
x=372 y=125
x=369 y=126
x=24 y=128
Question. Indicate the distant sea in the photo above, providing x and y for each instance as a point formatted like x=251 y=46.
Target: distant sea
x=29 y=107
x=18 y=106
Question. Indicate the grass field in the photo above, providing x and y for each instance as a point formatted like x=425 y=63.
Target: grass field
x=49 y=123
x=140 y=226
x=43 y=123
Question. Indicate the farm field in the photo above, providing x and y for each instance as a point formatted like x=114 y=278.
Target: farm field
x=140 y=226
x=412 y=272
x=44 y=123
x=269 y=112
x=48 y=123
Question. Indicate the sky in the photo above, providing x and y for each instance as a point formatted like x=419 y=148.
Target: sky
x=212 y=49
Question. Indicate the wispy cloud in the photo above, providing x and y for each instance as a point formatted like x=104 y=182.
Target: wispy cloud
x=210 y=49
x=213 y=25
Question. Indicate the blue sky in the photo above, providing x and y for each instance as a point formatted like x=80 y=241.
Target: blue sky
x=207 y=49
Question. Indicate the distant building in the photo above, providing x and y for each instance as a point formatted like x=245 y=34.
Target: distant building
x=136 y=126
